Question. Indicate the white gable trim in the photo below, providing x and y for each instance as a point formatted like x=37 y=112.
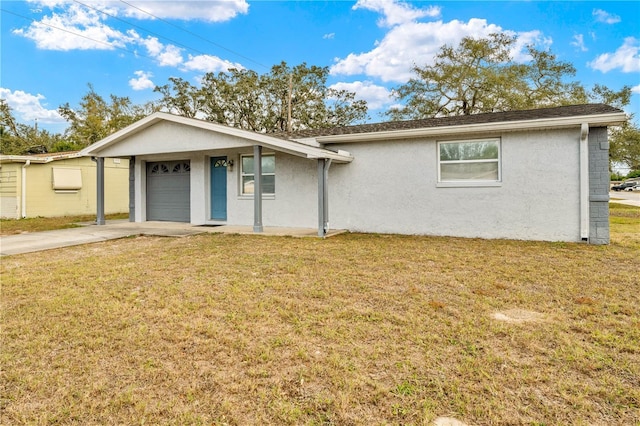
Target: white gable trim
x=252 y=138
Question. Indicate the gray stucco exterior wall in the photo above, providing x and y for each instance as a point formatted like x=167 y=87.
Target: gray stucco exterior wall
x=598 y=186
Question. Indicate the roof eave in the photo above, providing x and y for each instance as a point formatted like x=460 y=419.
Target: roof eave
x=283 y=145
x=37 y=159
x=609 y=119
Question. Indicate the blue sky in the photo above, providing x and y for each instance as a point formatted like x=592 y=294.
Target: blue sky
x=51 y=50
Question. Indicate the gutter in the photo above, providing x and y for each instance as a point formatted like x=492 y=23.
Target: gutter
x=566 y=122
x=23 y=210
x=584 y=182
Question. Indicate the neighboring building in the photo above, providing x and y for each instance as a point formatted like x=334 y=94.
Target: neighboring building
x=535 y=175
x=59 y=184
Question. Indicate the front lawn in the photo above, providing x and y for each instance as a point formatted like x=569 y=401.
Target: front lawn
x=38 y=224
x=355 y=329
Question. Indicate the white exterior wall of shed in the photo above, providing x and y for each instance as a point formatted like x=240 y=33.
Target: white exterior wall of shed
x=391 y=187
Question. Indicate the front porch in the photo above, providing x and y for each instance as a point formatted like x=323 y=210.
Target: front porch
x=180 y=229
x=207 y=188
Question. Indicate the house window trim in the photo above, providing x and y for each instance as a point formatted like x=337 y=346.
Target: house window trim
x=469 y=183
x=241 y=174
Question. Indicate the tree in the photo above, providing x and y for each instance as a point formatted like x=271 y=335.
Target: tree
x=624 y=147
x=18 y=138
x=480 y=75
x=261 y=103
x=97 y=118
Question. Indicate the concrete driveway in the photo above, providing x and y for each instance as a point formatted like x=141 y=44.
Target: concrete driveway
x=631 y=198
x=91 y=233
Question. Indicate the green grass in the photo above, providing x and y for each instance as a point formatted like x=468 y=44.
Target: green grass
x=354 y=329
x=38 y=224
x=624 y=221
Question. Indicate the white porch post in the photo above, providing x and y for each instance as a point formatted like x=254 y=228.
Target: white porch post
x=132 y=189
x=100 y=191
x=257 y=188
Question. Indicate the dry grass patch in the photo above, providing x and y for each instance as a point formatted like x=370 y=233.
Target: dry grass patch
x=355 y=329
x=38 y=224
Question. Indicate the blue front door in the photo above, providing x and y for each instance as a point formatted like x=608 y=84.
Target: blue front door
x=219 y=188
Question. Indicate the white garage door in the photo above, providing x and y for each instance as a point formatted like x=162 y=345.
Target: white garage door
x=168 y=191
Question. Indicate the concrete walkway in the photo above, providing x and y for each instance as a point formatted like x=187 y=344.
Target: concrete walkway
x=91 y=233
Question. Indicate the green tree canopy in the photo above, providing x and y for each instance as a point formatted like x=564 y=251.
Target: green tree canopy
x=18 y=138
x=625 y=146
x=480 y=75
x=264 y=103
x=97 y=118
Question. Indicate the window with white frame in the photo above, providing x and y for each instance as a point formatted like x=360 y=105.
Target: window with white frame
x=470 y=161
x=248 y=176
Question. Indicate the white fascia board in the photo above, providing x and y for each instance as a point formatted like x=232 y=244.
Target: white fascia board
x=252 y=138
x=546 y=123
x=40 y=159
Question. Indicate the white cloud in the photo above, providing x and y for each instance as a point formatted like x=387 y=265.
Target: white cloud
x=524 y=39
x=207 y=10
x=626 y=58
x=636 y=89
x=606 y=17
x=142 y=82
x=27 y=107
x=329 y=36
x=396 y=12
x=167 y=55
x=152 y=44
x=408 y=45
x=209 y=63
x=578 y=42
x=75 y=28
x=72 y=26
x=170 y=57
x=376 y=96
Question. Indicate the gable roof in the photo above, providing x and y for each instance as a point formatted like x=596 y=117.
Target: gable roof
x=252 y=138
x=310 y=143
x=556 y=117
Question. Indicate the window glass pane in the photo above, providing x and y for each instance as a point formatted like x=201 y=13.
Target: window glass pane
x=247 y=165
x=469 y=171
x=269 y=164
x=247 y=184
x=269 y=184
x=480 y=150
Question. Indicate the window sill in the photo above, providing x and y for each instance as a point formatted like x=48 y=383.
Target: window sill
x=264 y=197
x=468 y=184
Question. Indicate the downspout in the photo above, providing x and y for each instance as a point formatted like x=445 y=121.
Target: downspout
x=257 y=189
x=584 y=182
x=323 y=196
x=23 y=212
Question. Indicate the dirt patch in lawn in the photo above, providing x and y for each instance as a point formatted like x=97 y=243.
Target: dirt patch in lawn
x=518 y=316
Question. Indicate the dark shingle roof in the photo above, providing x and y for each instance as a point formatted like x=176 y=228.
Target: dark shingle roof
x=461 y=120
